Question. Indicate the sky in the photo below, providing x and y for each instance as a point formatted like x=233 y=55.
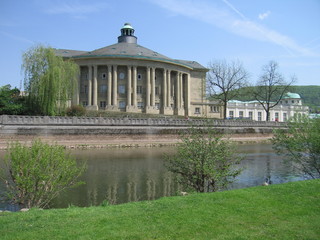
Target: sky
x=253 y=32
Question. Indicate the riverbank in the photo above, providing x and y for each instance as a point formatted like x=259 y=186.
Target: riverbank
x=284 y=211
x=120 y=140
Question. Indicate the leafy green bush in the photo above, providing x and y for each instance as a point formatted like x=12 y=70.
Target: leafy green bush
x=204 y=162
x=35 y=175
x=76 y=110
x=11 y=103
x=301 y=144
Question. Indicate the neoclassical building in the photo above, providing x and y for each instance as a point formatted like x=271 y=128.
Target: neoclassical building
x=290 y=105
x=128 y=77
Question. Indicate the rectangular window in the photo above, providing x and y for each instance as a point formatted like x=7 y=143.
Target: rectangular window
x=103 y=104
x=276 y=116
x=139 y=89
x=285 y=117
x=250 y=115
x=103 y=89
x=84 y=103
x=121 y=89
x=157 y=105
x=122 y=104
x=140 y=105
x=85 y=89
x=231 y=114
x=214 y=108
x=240 y=114
x=197 y=110
x=259 y=116
x=157 y=90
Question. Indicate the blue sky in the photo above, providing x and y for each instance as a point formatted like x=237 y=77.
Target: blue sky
x=253 y=32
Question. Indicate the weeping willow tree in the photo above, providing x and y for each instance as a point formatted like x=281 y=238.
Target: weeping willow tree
x=49 y=81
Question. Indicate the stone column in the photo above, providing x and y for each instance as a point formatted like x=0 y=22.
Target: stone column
x=153 y=86
x=115 y=86
x=187 y=96
x=177 y=90
x=169 y=89
x=109 y=94
x=129 y=87
x=89 y=85
x=164 y=89
x=181 y=89
x=148 y=88
x=95 y=86
x=134 y=88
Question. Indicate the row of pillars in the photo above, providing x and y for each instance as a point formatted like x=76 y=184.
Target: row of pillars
x=181 y=89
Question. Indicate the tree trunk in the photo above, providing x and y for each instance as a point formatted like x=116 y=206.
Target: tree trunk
x=225 y=110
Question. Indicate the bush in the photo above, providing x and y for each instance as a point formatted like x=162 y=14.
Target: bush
x=301 y=145
x=76 y=110
x=204 y=162
x=36 y=175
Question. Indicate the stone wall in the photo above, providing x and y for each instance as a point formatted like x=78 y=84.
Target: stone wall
x=45 y=125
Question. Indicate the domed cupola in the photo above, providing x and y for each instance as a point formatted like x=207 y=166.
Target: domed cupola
x=127 y=34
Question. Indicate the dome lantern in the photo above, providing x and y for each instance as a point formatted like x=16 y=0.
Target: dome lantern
x=127 y=34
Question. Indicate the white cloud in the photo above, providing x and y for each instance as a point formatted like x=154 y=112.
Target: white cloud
x=233 y=21
x=263 y=16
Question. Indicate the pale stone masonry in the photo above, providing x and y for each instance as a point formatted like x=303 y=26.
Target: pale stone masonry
x=128 y=77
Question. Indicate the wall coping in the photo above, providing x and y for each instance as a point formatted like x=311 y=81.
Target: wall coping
x=127 y=121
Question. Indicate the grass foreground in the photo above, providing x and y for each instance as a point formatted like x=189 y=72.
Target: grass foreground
x=284 y=211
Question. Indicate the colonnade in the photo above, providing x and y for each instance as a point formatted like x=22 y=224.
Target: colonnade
x=175 y=89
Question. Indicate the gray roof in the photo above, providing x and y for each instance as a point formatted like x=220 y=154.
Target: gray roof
x=68 y=53
x=127 y=50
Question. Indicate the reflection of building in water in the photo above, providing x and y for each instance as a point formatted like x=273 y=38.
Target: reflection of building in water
x=132 y=191
x=168 y=184
x=112 y=193
x=151 y=189
x=92 y=195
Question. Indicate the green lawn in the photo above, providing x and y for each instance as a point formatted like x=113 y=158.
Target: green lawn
x=284 y=211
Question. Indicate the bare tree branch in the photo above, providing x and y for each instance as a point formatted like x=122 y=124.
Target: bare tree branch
x=224 y=81
x=271 y=87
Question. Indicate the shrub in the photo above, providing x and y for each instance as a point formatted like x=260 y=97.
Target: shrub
x=76 y=110
x=37 y=174
x=301 y=145
x=204 y=162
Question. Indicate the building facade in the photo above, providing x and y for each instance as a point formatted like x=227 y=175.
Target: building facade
x=289 y=106
x=128 y=77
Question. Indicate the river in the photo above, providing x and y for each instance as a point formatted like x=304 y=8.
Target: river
x=121 y=175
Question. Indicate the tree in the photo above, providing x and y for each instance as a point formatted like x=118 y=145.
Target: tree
x=301 y=144
x=224 y=81
x=271 y=87
x=204 y=162
x=11 y=102
x=49 y=80
x=35 y=175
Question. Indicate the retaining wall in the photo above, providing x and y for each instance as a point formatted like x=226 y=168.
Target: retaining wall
x=45 y=125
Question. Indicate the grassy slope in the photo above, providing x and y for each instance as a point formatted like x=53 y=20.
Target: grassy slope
x=286 y=211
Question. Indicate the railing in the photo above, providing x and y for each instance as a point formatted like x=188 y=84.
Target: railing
x=100 y=121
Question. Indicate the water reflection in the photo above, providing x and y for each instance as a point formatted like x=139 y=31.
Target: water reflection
x=125 y=175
